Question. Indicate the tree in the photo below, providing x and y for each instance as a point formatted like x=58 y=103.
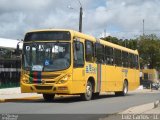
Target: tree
x=114 y=40
x=149 y=50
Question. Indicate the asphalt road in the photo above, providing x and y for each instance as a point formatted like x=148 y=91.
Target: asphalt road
x=106 y=104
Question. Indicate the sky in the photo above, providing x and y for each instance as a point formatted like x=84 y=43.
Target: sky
x=119 y=18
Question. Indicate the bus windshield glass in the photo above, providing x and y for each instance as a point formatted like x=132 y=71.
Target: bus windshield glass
x=48 y=36
x=46 y=56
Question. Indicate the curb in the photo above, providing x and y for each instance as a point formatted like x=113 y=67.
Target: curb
x=18 y=99
x=141 y=108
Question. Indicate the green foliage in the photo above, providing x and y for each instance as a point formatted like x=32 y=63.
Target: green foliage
x=149 y=50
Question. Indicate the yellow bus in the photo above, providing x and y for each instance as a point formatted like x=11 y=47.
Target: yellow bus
x=60 y=61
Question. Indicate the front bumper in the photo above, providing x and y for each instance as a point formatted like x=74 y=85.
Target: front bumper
x=46 y=88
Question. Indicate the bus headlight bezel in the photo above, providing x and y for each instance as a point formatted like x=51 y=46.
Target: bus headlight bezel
x=64 y=79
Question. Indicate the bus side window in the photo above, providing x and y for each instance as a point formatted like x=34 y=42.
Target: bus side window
x=112 y=61
x=137 y=62
x=89 y=51
x=109 y=55
x=78 y=55
x=131 y=60
x=117 y=56
x=99 y=50
x=124 y=59
x=126 y=56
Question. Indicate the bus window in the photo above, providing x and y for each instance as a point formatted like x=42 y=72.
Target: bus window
x=89 y=51
x=131 y=60
x=109 y=55
x=78 y=55
x=117 y=56
x=124 y=59
x=137 y=63
x=99 y=53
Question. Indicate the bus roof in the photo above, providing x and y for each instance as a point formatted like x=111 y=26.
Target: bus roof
x=105 y=42
x=89 y=37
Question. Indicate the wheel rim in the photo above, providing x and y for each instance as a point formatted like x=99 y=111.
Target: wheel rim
x=125 y=88
x=89 y=91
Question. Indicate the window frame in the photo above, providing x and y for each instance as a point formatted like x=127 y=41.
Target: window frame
x=75 y=66
x=109 y=54
x=92 y=57
x=125 y=59
x=100 y=60
x=118 y=57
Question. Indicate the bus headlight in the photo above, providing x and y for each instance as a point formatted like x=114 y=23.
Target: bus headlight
x=64 y=79
x=25 y=79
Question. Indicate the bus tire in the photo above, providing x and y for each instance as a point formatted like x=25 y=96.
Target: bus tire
x=89 y=92
x=48 y=97
x=124 y=91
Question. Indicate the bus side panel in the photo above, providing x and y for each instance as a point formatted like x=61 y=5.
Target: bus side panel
x=78 y=82
x=137 y=80
x=118 y=78
x=131 y=79
x=78 y=79
x=110 y=78
x=103 y=79
x=91 y=72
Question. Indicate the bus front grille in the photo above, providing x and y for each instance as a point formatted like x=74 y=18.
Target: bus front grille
x=49 y=76
x=43 y=87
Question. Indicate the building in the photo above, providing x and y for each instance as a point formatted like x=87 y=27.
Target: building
x=9 y=63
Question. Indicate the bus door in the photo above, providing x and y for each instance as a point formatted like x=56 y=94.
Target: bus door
x=78 y=67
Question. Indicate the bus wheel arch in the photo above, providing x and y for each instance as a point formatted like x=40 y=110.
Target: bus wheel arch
x=95 y=94
x=92 y=80
x=124 y=89
x=89 y=89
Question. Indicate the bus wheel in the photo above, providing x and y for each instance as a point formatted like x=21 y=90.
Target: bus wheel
x=48 y=97
x=125 y=90
x=89 y=91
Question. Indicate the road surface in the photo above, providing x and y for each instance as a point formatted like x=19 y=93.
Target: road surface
x=106 y=104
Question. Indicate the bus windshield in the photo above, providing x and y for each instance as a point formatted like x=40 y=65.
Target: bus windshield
x=46 y=56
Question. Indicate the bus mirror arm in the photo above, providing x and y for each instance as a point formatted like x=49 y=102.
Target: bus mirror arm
x=17 y=49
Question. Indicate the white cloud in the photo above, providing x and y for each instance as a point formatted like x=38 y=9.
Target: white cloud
x=122 y=18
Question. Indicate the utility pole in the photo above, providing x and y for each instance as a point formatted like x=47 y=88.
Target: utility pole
x=104 y=33
x=143 y=27
x=80 y=18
